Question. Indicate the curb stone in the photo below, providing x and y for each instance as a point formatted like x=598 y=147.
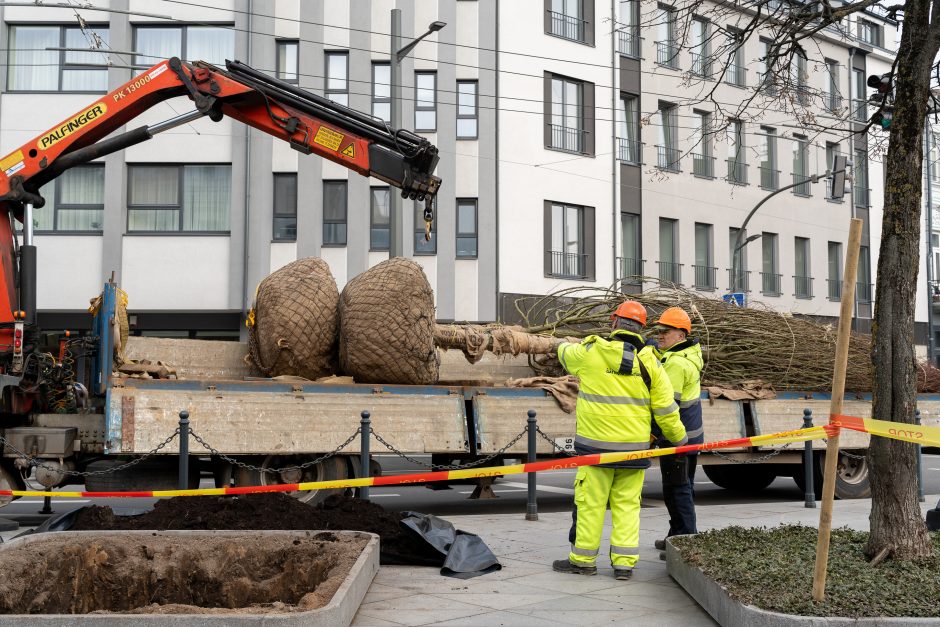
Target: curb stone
x=715 y=600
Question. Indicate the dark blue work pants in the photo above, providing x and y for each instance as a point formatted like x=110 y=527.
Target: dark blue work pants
x=680 y=499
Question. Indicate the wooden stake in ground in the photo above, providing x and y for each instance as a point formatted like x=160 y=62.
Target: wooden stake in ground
x=835 y=408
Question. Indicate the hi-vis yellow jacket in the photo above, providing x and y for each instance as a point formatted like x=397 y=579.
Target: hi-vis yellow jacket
x=617 y=396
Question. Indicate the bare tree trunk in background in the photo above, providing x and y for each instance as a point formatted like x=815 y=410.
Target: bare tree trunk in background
x=896 y=520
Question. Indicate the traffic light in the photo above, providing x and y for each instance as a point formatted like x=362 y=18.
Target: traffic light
x=883 y=98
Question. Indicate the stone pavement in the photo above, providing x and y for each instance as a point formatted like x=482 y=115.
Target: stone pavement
x=527 y=592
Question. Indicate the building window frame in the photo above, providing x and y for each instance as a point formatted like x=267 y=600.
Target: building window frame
x=464 y=235
x=284 y=210
x=379 y=224
x=63 y=65
x=336 y=84
x=564 y=136
x=425 y=108
x=287 y=52
x=834 y=270
x=568 y=224
x=569 y=20
x=802 y=283
x=382 y=100
x=179 y=205
x=143 y=62
x=770 y=264
x=336 y=223
x=57 y=208
x=468 y=113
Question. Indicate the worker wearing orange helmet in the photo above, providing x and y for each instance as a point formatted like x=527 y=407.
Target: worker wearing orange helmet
x=682 y=360
x=622 y=384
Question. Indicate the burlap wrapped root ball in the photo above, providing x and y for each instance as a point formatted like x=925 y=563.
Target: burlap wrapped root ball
x=387 y=326
x=296 y=321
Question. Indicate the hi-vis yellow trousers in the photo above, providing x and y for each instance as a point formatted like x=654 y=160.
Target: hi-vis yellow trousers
x=594 y=489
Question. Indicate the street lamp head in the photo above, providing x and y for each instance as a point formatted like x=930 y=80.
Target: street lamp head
x=436 y=26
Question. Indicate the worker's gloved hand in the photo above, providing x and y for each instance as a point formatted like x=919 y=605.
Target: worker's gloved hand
x=652 y=342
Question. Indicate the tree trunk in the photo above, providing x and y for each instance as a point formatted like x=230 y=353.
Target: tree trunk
x=896 y=523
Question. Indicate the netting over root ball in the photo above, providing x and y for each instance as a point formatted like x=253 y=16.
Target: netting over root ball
x=296 y=321
x=387 y=326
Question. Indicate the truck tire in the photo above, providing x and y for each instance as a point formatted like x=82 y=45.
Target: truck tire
x=331 y=469
x=852 y=481
x=740 y=479
x=150 y=474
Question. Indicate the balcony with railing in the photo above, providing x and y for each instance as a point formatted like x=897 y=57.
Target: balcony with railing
x=706 y=277
x=701 y=64
x=859 y=110
x=567 y=26
x=628 y=43
x=803 y=185
x=737 y=171
x=667 y=158
x=802 y=286
x=862 y=196
x=670 y=272
x=567 y=138
x=769 y=178
x=770 y=284
x=766 y=83
x=630 y=270
x=803 y=95
x=629 y=151
x=739 y=281
x=703 y=165
x=834 y=290
x=864 y=292
x=667 y=54
x=568 y=265
x=736 y=75
x=834 y=101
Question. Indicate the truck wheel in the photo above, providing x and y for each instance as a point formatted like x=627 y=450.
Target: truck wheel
x=851 y=476
x=150 y=474
x=740 y=479
x=330 y=469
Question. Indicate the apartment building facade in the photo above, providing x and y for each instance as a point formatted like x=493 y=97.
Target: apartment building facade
x=570 y=155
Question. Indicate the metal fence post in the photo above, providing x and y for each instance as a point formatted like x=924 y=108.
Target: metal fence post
x=532 y=508
x=809 y=490
x=920 y=462
x=184 y=450
x=365 y=431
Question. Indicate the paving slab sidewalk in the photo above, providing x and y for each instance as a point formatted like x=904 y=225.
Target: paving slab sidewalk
x=527 y=592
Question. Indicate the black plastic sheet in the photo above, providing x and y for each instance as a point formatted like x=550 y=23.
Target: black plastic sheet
x=465 y=555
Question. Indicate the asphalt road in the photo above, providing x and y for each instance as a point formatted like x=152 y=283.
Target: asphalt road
x=554 y=494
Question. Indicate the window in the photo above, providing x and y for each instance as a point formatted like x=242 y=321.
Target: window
x=832 y=95
x=934 y=156
x=424 y=246
x=766 y=77
x=567 y=238
x=425 y=101
x=467 y=228
x=667 y=52
x=702 y=160
x=74 y=201
x=628 y=33
x=628 y=132
x=864 y=287
x=337 y=77
x=570 y=19
x=214 y=44
x=179 y=197
x=859 y=100
x=382 y=91
x=833 y=149
x=737 y=165
x=467 y=109
x=667 y=152
x=861 y=179
x=770 y=277
x=631 y=266
x=567 y=130
x=701 y=61
x=334 y=213
x=288 y=54
x=737 y=274
x=869 y=32
x=798 y=77
x=35 y=68
x=736 y=73
x=704 y=271
x=285 y=207
x=669 y=268
x=800 y=166
x=835 y=270
x=803 y=282
x=769 y=174
x=379 y=225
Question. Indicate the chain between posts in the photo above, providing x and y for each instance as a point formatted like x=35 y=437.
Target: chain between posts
x=554 y=444
x=472 y=464
x=247 y=466
x=756 y=460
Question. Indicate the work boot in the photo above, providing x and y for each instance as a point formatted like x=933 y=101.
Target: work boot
x=662 y=555
x=565 y=566
x=623 y=574
x=660 y=544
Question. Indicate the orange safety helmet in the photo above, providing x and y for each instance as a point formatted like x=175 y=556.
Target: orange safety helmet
x=631 y=310
x=677 y=318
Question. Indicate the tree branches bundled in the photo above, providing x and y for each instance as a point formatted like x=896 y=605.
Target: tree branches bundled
x=739 y=344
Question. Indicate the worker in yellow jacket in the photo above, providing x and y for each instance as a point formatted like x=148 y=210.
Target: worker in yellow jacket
x=623 y=384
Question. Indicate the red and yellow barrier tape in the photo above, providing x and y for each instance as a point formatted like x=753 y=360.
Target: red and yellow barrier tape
x=918 y=434
x=784 y=437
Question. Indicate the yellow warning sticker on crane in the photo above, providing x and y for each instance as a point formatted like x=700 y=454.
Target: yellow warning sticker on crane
x=329 y=138
x=350 y=151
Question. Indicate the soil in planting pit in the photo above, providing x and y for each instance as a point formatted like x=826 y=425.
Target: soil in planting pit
x=272 y=511
x=173 y=574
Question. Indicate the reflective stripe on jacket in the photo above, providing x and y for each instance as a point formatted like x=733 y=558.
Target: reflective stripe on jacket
x=614 y=403
x=683 y=363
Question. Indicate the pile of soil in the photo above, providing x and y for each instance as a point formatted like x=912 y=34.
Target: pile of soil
x=170 y=574
x=296 y=321
x=272 y=510
x=387 y=326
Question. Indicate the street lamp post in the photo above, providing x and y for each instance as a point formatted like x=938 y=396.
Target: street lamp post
x=396 y=245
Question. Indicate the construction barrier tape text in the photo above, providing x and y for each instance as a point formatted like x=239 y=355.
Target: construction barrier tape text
x=918 y=434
